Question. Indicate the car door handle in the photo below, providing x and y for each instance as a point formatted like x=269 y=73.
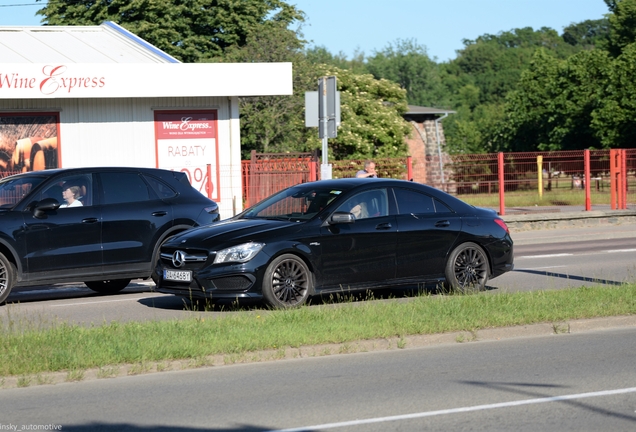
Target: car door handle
x=159 y=213
x=89 y=220
x=383 y=226
x=442 y=224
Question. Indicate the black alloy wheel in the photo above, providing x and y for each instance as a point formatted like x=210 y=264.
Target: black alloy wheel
x=108 y=286
x=7 y=277
x=288 y=282
x=467 y=269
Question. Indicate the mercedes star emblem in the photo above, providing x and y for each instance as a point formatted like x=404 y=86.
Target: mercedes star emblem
x=178 y=259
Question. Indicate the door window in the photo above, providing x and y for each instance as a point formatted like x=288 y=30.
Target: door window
x=367 y=204
x=413 y=202
x=124 y=187
x=162 y=189
x=70 y=191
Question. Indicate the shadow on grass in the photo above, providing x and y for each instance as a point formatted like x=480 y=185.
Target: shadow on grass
x=403 y=292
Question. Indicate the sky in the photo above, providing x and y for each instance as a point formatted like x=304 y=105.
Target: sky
x=344 y=26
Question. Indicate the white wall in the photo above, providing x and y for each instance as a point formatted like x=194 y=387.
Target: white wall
x=120 y=132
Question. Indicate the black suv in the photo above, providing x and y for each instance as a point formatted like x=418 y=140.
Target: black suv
x=101 y=226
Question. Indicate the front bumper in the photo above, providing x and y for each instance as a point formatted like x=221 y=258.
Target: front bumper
x=225 y=281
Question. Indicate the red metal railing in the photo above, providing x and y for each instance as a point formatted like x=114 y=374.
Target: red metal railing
x=579 y=174
x=586 y=177
x=268 y=173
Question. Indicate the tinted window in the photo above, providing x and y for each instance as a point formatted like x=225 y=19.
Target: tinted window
x=440 y=207
x=12 y=190
x=367 y=204
x=162 y=189
x=81 y=187
x=410 y=201
x=296 y=203
x=124 y=188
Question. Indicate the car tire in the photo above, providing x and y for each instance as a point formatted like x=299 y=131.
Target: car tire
x=7 y=277
x=287 y=282
x=467 y=269
x=108 y=286
x=156 y=257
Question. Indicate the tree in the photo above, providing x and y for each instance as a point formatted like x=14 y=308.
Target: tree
x=614 y=121
x=371 y=110
x=274 y=123
x=407 y=63
x=622 y=23
x=320 y=55
x=189 y=30
x=588 y=34
x=553 y=106
x=371 y=116
x=482 y=76
x=495 y=62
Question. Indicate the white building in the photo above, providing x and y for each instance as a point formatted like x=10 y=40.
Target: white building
x=73 y=96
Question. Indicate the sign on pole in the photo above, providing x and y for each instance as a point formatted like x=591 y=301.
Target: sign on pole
x=322 y=109
x=328 y=107
x=312 y=116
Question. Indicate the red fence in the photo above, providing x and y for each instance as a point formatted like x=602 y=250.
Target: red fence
x=557 y=178
x=267 y=173
x=501 y=180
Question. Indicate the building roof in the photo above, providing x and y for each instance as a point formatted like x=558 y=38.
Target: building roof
x=106 y=43
x=415 y=110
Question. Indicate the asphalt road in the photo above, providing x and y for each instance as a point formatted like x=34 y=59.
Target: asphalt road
x=547 y=259
x=566 y=382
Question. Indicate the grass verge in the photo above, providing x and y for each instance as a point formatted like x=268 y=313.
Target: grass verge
x=27 y=351
x=532 y=198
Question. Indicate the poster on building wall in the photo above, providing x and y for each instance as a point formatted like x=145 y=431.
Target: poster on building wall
x=187 y=141
x=28 y=142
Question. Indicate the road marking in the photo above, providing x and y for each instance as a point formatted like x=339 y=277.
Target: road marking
x=546 y=256
x=460 y=410
x=540 y=268
x=579 y=254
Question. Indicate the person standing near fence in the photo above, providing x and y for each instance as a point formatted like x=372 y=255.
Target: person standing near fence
x=368 y=171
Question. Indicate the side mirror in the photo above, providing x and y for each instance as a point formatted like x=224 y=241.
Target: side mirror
x=341 y=218
x=47 y=204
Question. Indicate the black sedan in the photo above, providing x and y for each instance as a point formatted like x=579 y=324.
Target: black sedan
x=334 y=236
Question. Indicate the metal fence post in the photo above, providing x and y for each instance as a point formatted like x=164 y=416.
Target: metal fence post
x=623 y=182
x=588 y=177
x=614 y=168
x=500 y=164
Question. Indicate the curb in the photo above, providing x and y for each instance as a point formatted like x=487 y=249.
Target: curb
x=528 y=222
x=559 y=329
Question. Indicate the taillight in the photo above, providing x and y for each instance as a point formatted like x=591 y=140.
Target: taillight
x=502 y=224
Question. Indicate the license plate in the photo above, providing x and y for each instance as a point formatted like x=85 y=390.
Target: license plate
x=177 y=275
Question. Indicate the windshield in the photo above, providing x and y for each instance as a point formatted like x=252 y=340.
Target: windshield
x=13 y=189
x=297 y=203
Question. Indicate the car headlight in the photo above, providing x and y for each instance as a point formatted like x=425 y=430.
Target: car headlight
x=241 y=253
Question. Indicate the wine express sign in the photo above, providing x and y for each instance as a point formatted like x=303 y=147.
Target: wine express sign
x=119 y=80
x=187 y=141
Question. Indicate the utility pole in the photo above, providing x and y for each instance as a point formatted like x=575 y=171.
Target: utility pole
x=328 y=117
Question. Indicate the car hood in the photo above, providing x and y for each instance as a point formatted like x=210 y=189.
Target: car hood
x=235 y=231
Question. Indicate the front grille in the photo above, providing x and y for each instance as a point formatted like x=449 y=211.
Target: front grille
x=232 y=283
x=191 y=259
